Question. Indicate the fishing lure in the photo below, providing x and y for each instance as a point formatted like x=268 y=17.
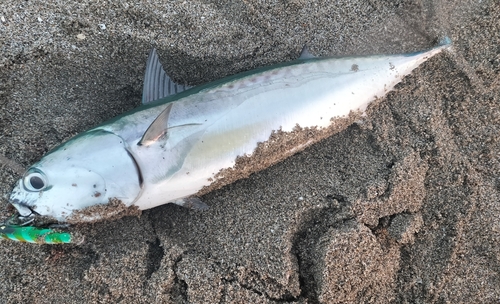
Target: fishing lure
x=185 y=142
x=30 y=234
x=15 y=229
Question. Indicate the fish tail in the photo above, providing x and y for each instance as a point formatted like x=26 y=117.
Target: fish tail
x=445 y=41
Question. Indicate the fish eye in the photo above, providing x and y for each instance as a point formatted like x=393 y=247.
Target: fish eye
x=34 y=181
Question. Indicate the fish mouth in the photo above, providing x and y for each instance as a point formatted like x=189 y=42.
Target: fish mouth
x=26 y=215
x=24 y=209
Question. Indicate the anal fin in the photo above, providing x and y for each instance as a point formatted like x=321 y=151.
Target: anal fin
x=193 y=203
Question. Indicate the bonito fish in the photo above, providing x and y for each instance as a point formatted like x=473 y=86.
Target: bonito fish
x=184 y=142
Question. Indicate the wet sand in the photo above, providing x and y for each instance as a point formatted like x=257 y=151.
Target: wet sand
x=402 y=207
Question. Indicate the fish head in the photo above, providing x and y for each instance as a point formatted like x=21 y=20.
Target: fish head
x=88 y=170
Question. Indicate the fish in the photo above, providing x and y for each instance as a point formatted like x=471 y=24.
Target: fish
x=184 y=142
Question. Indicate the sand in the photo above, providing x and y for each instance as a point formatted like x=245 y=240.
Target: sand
x=403 y=207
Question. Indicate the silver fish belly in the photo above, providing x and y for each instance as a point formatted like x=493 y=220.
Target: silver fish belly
x=184 y=145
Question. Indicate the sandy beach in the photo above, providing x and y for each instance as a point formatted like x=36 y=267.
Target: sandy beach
x=402 y=207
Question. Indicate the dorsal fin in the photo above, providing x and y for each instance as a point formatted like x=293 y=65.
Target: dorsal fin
x=157 y=129
x=157 y=84
x=305 y=54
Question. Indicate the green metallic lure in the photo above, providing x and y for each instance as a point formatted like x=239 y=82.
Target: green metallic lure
x=32 y=234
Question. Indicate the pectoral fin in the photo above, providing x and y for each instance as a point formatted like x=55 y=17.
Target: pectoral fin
x=158 y=129
x=157 y=84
